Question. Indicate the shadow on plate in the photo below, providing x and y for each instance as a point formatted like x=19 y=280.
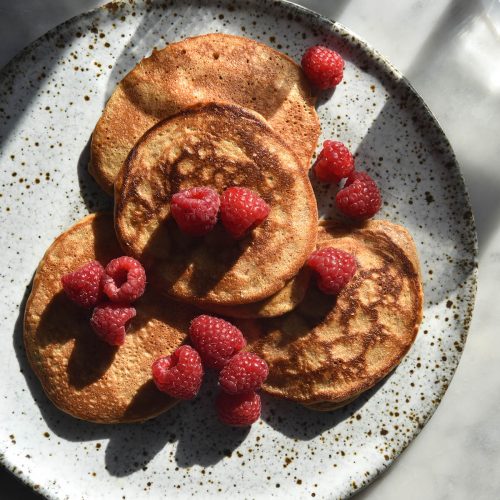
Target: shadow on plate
x=92 y=195
x=132 y=446
x=300 y=423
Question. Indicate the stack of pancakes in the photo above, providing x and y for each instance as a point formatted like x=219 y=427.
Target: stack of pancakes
x=220 y=111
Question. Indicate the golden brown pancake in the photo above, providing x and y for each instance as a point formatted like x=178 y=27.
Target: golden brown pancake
x=220 y=146
x=285 y=300
x=214 y=67
x=330 y=350
x=82 y=375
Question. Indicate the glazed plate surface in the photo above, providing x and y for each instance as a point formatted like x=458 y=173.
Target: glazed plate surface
x=51 y=96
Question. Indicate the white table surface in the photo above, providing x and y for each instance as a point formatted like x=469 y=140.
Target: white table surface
x=450 y=51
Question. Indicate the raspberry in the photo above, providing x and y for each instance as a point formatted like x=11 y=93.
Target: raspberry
x=195 y=210
x=239 y=410
x=241 y=210
x=124 y=280
x=323 y=67
x=109 y=321
x=244 y=372
x=180 y=374
x=334 y=268
x=333 y=163
x=216 y=340
x=83 y=286
x=360 y=198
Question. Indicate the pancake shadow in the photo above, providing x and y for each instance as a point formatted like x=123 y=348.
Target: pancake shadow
x=297 y=323
x=90 y=357
x=89 y=360
x=210 y=257
x=132 y=446
x=93 y=196
x=61 y=424
x=224 y=252
x=219 y=440
x=165 y=239
x=298 y=422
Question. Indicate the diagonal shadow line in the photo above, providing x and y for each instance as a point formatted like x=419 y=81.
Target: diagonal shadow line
x=122 y=434
x=484 y=190
x=332 y=9
x=15 y=99
x=29 y=28
x=454 y=20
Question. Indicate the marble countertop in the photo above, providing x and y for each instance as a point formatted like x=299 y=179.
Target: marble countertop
x=449 y=50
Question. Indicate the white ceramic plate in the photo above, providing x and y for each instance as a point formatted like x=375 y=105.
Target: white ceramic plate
x=51 y=95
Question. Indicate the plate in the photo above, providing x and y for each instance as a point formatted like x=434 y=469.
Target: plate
x=51 y=96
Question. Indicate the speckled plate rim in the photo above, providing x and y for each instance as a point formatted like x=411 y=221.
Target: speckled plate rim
x=370 y=52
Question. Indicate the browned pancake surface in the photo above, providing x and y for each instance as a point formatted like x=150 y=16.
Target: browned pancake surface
x=329 y=350
x=214 y=67
x=82 y=375
x=219 y=146
x=282 y=302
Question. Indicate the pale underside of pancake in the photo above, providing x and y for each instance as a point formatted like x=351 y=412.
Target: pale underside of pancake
x=82 y=375
x=214 y=67
x=219 y=146
x=282 y=302
x=329 y=351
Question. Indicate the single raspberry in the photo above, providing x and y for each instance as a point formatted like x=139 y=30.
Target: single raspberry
x=360 y=198
x=334 y=268
x=216 y=340
x=333 y=163
x=323 y=67
x=124 y=280
x=195 y=210
x=110 y=321
x=83 y=286
x=244 y=372
x=238 y=410
x=180 y=374
x=242 y=209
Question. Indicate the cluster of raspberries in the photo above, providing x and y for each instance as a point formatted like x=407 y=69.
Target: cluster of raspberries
x=360 y=197
x=110 y=291
x=196 y=210
x=217 y=345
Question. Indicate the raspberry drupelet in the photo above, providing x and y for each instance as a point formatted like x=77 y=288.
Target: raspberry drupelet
x=334 y=162
x=360 y=198
x=243 y=372
x=124 y=280
x=180 y=374
x=334 y=269
x=242 y=210
x=239 y=410
x=215 y=339
x=110 y=321
x=323 y=67
x=195 y=210
x=83 y=286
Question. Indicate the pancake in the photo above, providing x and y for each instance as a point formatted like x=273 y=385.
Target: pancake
x=82 y=375
x=282 y=302
x=330 y=350
x=220 y=146
x=214 y=67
